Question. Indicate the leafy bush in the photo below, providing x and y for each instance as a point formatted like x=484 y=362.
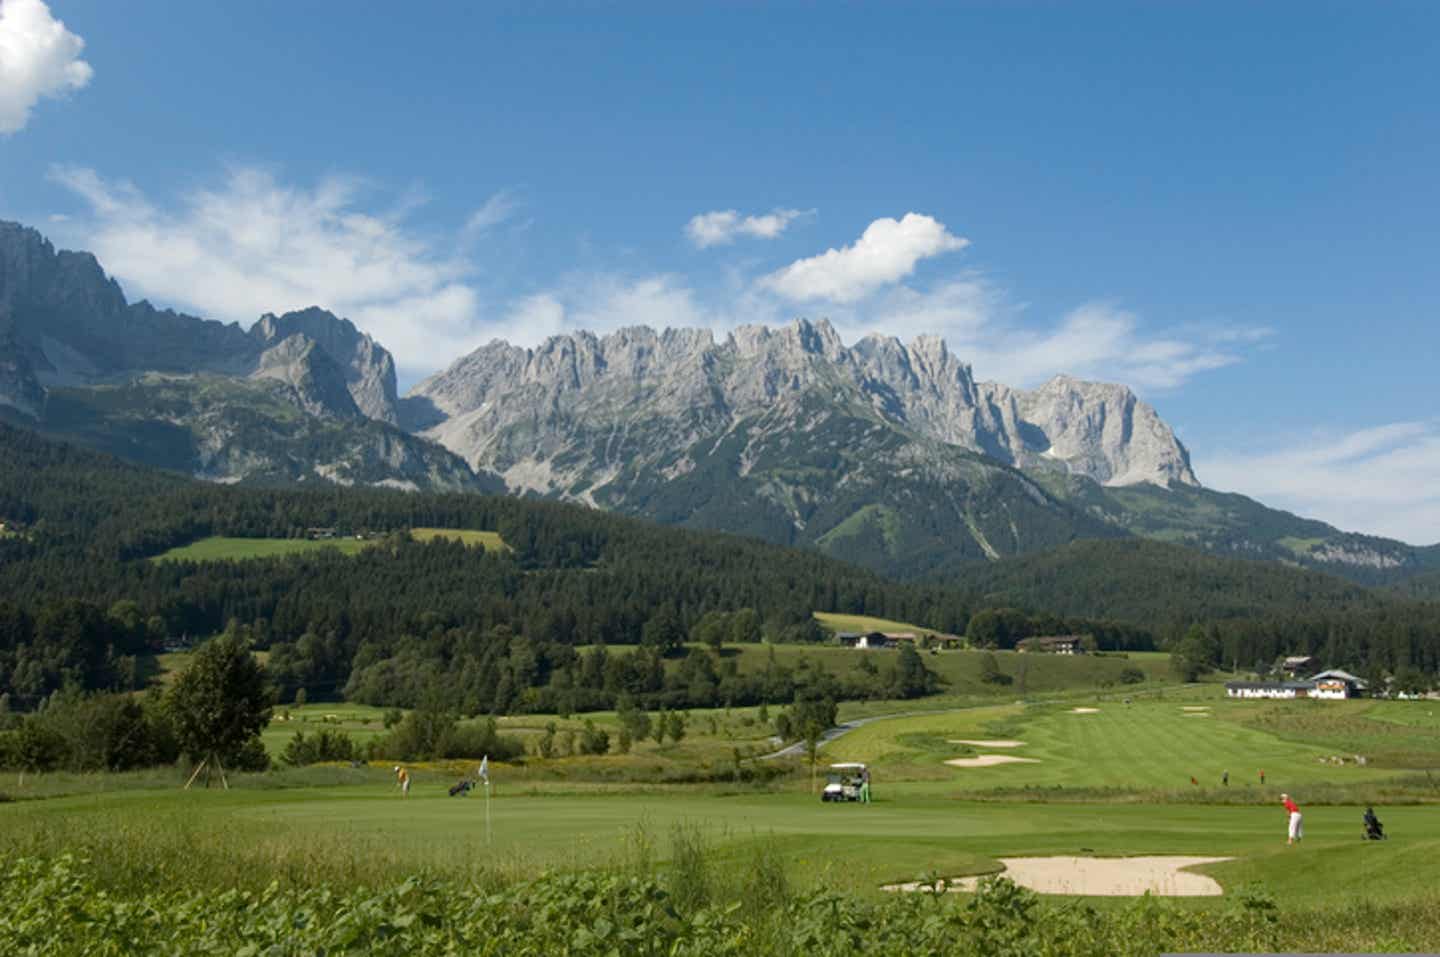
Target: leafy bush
x=53 y=906
x=594 y=740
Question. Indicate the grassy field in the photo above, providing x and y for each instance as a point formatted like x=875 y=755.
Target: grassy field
x=219 y=548
x=1029 y=673
x=837 y=623
x=1114 y=781
x=1149 y=745
x=363 y=826
x=491 y=541
x=361 y=722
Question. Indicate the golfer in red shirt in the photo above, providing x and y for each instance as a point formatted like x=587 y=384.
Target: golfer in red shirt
x=1297 y=830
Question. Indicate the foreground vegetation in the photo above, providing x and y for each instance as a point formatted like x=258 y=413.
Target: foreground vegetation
x=590 y=853
x=52 y=907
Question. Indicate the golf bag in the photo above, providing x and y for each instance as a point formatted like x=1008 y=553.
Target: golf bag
x=460 y=787
x=1374 y=830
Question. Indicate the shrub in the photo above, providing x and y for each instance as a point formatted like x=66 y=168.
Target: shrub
x=594 y=740
x=324 y=745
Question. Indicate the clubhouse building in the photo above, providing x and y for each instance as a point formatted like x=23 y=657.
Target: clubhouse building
x=1333 y=685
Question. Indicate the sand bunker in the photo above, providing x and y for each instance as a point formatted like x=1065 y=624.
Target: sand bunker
x=977 y=743
x=1200 y=707
x=1084 y=710
x=1096 y=876
x=987 y=760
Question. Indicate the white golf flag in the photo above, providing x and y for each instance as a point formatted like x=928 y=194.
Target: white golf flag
x=484 y=773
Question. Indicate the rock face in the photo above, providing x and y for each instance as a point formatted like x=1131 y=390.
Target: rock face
x=300 y=397
x=63 y=322
x=534 y=415
x=316 y=381
x=368 y=370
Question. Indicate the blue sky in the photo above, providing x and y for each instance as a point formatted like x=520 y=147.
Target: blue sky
x=1230 y=207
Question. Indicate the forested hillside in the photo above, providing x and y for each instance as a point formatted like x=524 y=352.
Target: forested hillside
x=500 y=630
x=1256 y=610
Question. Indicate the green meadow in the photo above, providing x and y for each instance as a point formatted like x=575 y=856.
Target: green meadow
x=220 y=548
x=833 y=623
x=1106 y=773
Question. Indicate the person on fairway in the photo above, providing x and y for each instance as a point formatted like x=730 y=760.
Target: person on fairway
x=1225 y=778
x=1297 y=828
x=402 y=778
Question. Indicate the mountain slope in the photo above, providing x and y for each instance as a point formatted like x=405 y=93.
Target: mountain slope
x=300 y=397
x=683 y=377
x=886 y=455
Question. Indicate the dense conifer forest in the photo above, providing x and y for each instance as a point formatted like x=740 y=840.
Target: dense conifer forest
x=536 y=627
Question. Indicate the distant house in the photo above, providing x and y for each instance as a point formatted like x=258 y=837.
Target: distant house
x=1054 y=644
x=1332 y=685
x=894 y=639
x=319 y=534
x=1269 y=689
x=873 y=639
x=1298 y=665
x=1337 y=684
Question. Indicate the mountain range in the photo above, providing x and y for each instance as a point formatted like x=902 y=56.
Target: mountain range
x=888 y=454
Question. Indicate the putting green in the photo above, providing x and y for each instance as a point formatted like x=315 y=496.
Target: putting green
x=904 y=836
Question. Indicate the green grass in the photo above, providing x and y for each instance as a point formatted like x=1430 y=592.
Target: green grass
x=1030 y=673
x=490 y=541
x=833 y=623
x=219 y=548
x=361 y=722
x=365 y=829
x=1150 y=746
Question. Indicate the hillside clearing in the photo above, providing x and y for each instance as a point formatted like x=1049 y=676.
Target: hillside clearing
x=220 y=548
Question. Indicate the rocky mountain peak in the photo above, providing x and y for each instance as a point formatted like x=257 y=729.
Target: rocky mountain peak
x=368 y=369
x=681 y=379
x=316 y=381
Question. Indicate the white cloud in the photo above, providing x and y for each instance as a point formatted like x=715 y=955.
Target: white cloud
x=1004 y=344
x=602 y=304
x=885 y=253
x=1096 y=341
x=1379 y=480
x=724 y=226
x=496 y=210
x=38 y=58
x=251 y=245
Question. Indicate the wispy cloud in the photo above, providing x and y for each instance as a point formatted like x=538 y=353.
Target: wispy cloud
x=500 y=207
x=602 y=303
x=39 y=58
x=724 y=226
x=1380 y=480
x=250 y=244
x=885 y=253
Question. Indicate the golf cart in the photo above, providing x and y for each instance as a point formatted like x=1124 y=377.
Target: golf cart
x=844 y=782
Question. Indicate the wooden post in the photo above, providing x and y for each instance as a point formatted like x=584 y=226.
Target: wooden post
x=198 y=768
